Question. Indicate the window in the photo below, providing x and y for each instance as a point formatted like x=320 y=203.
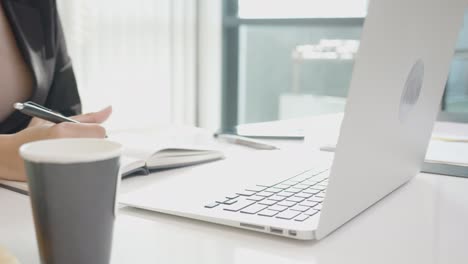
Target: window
x=455 y=101
x=293 y=58
x=301 y=8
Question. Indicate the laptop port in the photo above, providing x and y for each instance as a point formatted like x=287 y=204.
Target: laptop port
x=292 y=232
x=275 y=230
x=252 y=226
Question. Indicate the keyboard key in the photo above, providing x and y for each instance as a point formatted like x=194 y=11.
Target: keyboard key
x=311 y=212
x=297 y=188
x=287 y=203
x=226 y=201
x=288 y=215
x=246 y=193
x=267 y=202
x=277 y=208
x=311 y=191
x=308 y=203
x=269 y=213
x=234 y=196
x=282 y=186
x=320 y=177
x=221 y=201
x=318 y=207
x=273 y=190
x=301 y=218
x=302 y=186
x=293 y=190
x=256 y=188
x=240 y=204
x=310 y=182
x=300 y=208
x=318 y=187
x=295 y=199
x=277 y=198
x=315 y=199
x=229 y=202
x=211 y=205
x=291 y=182
x=265 y=194
x=320 y=195
x=322 y=187
x=303 y=195
x=318 y=171
x=285 y=194
x=253 y=209
x=255 y=198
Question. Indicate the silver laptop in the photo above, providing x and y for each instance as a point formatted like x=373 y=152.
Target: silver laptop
x=398 y=81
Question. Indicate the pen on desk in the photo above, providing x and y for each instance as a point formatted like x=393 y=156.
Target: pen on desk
x=245 y=141
x=36 y=110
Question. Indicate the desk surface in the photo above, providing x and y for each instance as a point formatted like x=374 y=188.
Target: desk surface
x=425 y=221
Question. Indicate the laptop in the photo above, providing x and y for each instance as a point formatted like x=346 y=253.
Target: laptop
x=398 y=81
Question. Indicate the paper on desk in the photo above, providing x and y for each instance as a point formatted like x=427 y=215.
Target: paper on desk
x=450 y=153
x=441 y=152
x=449 y=131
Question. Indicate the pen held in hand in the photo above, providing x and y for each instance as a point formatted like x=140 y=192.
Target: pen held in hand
x=35 y=110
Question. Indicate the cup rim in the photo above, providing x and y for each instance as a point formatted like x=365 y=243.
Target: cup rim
x=58 y=150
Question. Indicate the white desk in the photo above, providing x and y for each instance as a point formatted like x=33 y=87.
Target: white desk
x=425 y=221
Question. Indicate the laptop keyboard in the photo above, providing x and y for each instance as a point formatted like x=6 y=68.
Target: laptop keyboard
x=296 y=199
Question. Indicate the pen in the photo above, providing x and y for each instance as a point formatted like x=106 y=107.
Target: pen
x=245 y=141
x=36 y=110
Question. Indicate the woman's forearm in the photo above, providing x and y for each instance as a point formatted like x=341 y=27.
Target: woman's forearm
x=11 y=165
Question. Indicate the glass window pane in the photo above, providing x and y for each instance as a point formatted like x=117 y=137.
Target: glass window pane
x=456 y=94
x=302 y=8
x=289 y=71
x=294 y=71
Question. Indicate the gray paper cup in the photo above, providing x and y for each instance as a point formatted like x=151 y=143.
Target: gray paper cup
x=73 y=187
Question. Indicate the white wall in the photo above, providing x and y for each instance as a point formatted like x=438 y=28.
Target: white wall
x=121 y=52
x=154 y=61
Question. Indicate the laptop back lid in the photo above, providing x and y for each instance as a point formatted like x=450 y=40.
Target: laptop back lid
x=396 y=89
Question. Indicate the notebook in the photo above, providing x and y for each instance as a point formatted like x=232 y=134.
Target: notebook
x=166 y=158
x=134 y=164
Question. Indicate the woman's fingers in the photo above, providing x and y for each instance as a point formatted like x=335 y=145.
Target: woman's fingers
x=95 y=117
x=38 y=122
x=74 y=130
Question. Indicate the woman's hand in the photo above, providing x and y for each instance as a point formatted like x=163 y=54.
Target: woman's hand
x=11 y=164
x=6 y=257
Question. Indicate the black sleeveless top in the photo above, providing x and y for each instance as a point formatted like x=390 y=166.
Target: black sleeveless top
x=39 y=36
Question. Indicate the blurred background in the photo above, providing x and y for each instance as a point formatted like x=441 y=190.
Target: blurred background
x=221 y=63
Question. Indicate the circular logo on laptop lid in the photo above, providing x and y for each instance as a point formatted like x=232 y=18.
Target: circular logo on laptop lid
x=412 y=90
